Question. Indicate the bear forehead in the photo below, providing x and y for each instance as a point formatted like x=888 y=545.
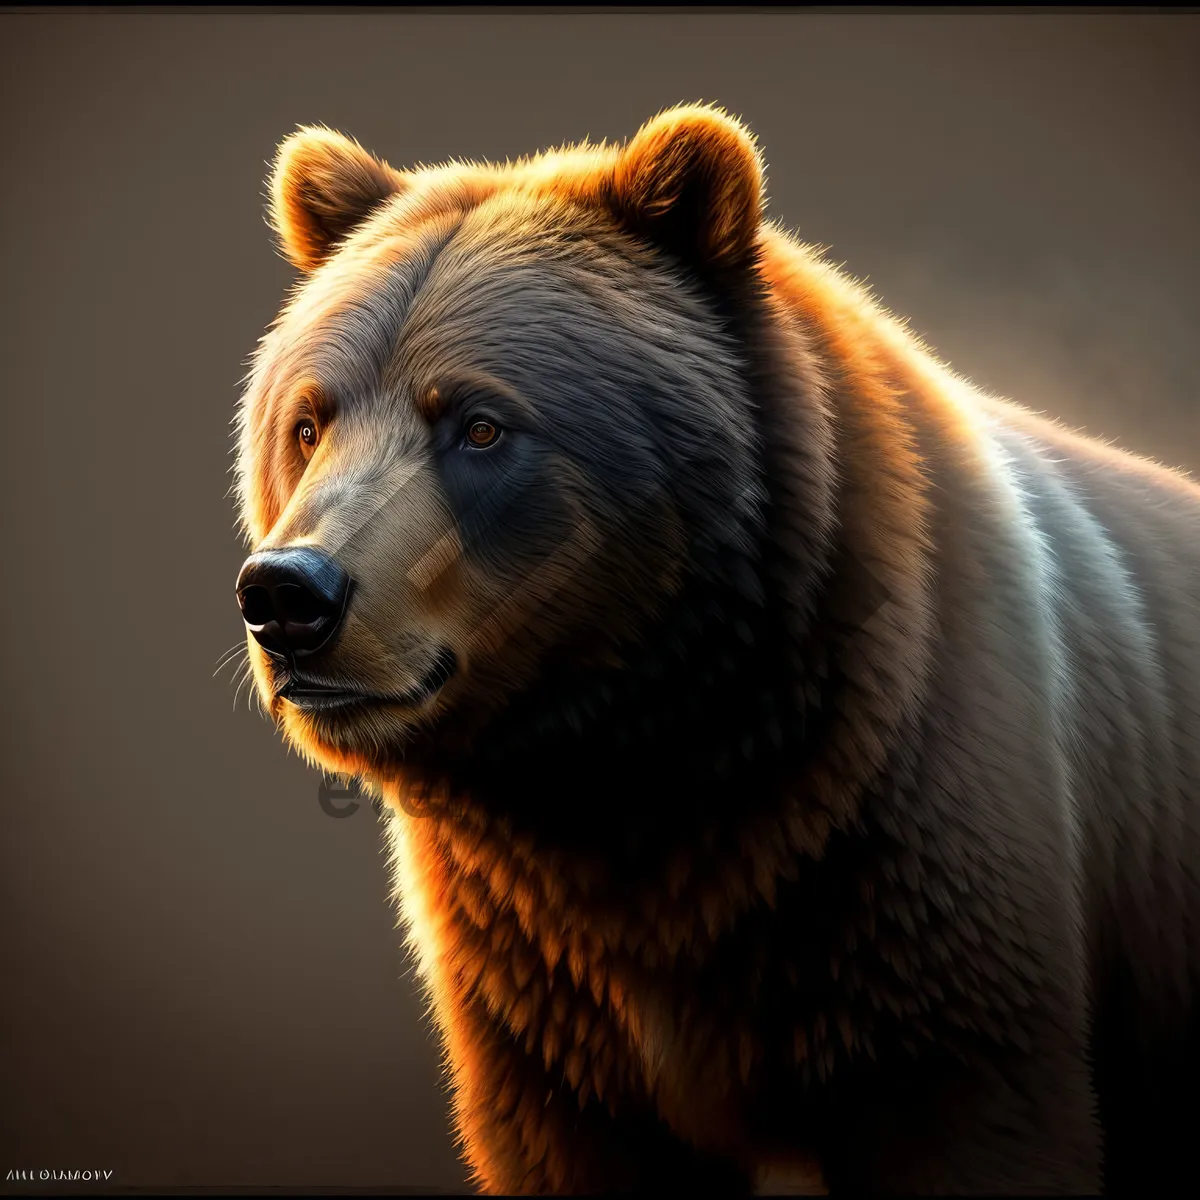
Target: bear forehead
x=461 y=258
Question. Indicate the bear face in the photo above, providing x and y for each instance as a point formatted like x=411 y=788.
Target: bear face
x=511 y=404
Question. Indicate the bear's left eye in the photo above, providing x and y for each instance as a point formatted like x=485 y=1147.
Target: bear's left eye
x=482 y=432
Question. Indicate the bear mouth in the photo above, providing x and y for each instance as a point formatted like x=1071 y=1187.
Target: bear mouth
x=316 y=697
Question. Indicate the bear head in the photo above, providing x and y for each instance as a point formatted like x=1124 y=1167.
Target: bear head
x=501 y=456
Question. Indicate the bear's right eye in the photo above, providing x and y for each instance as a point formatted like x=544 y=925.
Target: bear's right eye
x=309 y=435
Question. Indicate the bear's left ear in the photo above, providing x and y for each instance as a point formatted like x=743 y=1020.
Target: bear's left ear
x=691 y=181
x=322 y=186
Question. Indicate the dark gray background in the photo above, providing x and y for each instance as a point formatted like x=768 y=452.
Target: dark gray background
x=202 y=983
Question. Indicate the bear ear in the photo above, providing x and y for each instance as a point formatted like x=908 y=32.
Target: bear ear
x=322 y=186
x=691 y=180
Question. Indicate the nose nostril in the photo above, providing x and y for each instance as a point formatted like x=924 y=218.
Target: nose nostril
x=292 y=598
x=298 y=605
x=256 y=606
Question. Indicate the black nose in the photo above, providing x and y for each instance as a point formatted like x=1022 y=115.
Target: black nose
x=292 y=600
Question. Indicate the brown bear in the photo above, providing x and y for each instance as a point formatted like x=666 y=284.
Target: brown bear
x=791 y=753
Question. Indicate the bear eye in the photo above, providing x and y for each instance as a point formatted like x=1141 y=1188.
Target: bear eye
x=482 y=432
x=309 y=435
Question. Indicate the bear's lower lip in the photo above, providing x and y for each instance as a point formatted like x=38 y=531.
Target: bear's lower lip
x=314 y=698
x=320 y=699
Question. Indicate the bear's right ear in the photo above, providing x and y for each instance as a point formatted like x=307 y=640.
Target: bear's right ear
x=691 y=180
x=322 y=186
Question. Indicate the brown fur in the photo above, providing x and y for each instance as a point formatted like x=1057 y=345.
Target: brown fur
x=1007 y=757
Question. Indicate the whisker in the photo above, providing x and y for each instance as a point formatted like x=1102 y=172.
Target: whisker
x=232 y=662
x=245 y=676
x=229 y=655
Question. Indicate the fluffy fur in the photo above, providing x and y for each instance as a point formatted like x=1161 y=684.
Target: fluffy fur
x=815 y=801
